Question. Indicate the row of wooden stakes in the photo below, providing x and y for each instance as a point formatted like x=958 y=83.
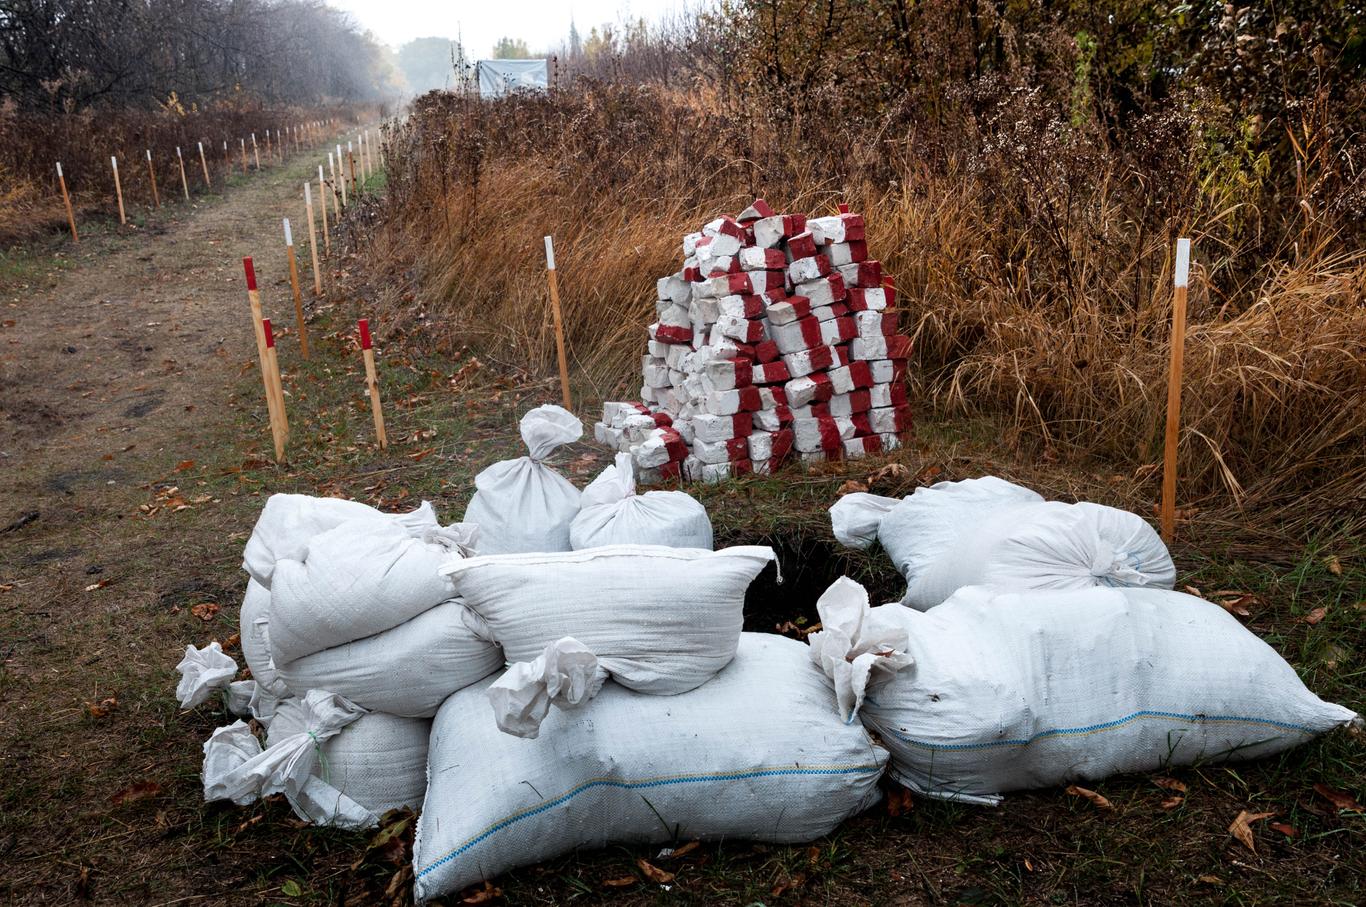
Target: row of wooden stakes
x=278 y=147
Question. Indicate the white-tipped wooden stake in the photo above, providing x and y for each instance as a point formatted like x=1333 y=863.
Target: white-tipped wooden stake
x=254 y=297
x=152 y=174
x=256 y=152
x=118 y=189
x=559 y=323
x=351 y=168
x=313 y=239
x=1180 y=281
x=245 y=170
x=294 y=286
x=184 y=183
x=270 y=154
x=322 y=203
x=372 y=381
x=204 y=162
x=341 y=168
x=66 y=200
x=336 y=205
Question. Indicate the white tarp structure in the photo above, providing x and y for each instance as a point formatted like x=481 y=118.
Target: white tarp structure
x=499 y=77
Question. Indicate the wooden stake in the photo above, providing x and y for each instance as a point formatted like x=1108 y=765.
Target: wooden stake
x=351 y=162
x=256 y=152
x=118 y=189
x=277 y=385
x=341 y=168
x=336 y=205
x=372 y=381
x=244 y=156
x=559 y=324
x=151 y=172
x=270 y=156
x=203 y=162
x=322 y=198
x=313 y=240
x=66 y=199
x=184 y=183
x=294 y=285
x=254 y=297
x=1180 y=281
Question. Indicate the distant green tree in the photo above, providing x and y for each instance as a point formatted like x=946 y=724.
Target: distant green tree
x=511 y=49
x=428 y=63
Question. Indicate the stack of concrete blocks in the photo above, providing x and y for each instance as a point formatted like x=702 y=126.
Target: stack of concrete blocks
x=777 y=339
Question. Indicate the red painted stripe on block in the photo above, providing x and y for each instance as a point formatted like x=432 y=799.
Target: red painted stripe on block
x=364 y=325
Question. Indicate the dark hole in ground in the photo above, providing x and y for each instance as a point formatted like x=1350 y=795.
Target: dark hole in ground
x=809 y=565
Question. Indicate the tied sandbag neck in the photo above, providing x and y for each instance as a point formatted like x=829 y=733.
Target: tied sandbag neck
x=566 y=674
x=546 y=428
x=855 y=647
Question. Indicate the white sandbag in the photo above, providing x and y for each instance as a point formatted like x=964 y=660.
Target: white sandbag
x=288 y=521
x=407 y=670
x=611 y=513
x=253 y=628
x=524 y=504
x=660 y=620
x=378 y=761
x=353 y=581
x=990 y=532
x=203 y=672
x=1008 y=691
x=756 y=753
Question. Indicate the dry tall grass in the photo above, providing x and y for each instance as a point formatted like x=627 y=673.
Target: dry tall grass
x=1033 y=287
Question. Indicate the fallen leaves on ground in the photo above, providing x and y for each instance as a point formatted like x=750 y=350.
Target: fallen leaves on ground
x=1242 y=828
x=142 y=790
x=791 y=883
x=654 y=873
x=1233 y=601
x=681 y=851
x=899 y=800
x=102 y=708
x=1283 y=828
x=1178 y=789
x=205 y=611
x=100 y=585
x=851 y=487
x=623 y=882
x=1333 y=564
x=1339 y=798
x=1315 y=616
x=485 y=895
x=1097 y=800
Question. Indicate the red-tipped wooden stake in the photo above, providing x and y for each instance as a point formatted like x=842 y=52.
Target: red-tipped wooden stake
x=254 y=297
x=559 y=323
x=313 y=240
x=844 y=208
x=184 y=183
x=322 y=200
x=152 y=174
x=256 y=152
x=118 y=189
x=273 y=360
x=372 y=381
x=203 y=162
x=66 y=200
x=294 y=286
x=1180 y=281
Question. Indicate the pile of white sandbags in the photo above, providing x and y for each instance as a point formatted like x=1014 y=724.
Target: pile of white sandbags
x=777 y=335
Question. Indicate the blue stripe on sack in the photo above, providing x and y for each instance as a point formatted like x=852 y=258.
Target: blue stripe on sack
x=640 y=785
x=1107 y=726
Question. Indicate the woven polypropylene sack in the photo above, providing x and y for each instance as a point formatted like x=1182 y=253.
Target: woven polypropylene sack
x=1048 y=545
x=407 y=670
x=1008 y=691
x=253 y=623
x=524 y=504
x=757 y=753
x=289 y=521
x=379 y=760
x=354 y=581
x=611 y=513
x=660 y=619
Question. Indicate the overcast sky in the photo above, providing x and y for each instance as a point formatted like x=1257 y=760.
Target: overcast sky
x=541 y=23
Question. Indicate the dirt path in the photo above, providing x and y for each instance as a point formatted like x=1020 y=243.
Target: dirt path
x=119 y=366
